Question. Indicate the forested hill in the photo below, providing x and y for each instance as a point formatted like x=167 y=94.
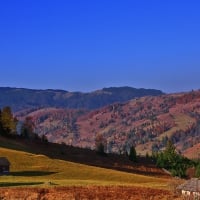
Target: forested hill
x=148 y=123
x=20 y=98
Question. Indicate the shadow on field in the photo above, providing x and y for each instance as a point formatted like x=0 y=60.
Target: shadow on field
x=143 y=166
x=9 y=184
x=31 y=173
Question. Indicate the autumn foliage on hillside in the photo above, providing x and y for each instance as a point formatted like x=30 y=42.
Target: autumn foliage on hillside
x=147 y=123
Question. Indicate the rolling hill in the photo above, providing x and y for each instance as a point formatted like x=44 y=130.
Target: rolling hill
x=19 y=98
x=146 y=122
x=49 y=171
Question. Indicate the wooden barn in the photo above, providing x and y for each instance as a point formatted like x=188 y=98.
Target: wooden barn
x=4 y=166
x=190 y=189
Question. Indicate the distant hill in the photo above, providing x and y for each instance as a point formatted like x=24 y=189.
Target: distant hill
x=147 y=122
x=20 y=98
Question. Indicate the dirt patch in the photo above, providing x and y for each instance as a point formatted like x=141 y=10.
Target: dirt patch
x=85 y=193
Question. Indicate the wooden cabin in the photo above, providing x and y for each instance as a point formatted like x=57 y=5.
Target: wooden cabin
x=4 y=166
x=190 y=189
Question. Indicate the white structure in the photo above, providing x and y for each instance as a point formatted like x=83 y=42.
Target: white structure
x=191 y=189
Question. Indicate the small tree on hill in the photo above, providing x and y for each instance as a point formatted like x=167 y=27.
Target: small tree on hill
x=8 y=122
x=100 y=144
x=44 y=139
x=133 y=155
x=27 y=130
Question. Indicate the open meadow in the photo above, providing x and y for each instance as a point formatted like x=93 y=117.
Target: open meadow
x=37 y=176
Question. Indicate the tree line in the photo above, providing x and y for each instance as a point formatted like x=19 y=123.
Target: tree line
x=169 y=159
x=176 y=163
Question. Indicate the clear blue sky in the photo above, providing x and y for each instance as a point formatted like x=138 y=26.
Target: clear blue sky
x=84 y=45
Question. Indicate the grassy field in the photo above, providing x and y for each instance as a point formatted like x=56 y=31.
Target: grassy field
x=29 y=169
x=61 y=172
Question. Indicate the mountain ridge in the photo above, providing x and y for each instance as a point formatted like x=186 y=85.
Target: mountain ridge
x=22 y=98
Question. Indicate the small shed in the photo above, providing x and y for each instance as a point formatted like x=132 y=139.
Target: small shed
x=190 y=188
x=4 y=166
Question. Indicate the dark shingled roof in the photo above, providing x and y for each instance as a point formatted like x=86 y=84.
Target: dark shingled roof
x=193 y=185
x=4 y=161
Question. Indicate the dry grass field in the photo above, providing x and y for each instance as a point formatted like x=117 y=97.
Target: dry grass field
x=88 y=192
x=27 y=168
x=37 y=176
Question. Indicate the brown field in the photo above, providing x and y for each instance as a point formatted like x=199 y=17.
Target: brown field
x=85 y=193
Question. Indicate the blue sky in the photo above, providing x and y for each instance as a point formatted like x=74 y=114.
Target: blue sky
x=86 y=45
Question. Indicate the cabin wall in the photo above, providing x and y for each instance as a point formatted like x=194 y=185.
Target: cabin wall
x=4 y=169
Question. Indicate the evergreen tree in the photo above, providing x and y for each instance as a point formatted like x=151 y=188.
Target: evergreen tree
x=160 y=162
x=171 y=160
x=133 y=154
x=197 y=171
x=44 y=139
x=170 y=155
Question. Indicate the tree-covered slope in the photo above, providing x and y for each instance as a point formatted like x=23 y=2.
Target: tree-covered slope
x=20 y=98
x=147 y=123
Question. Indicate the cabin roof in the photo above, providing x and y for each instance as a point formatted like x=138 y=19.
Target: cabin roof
x=4 y=161
x=193 y=185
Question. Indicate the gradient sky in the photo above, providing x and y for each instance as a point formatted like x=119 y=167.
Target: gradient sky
x=84 y=45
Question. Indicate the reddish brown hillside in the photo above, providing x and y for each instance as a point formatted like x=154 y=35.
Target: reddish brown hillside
x=54 y=122
x=148 y=123
x=144 y=122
